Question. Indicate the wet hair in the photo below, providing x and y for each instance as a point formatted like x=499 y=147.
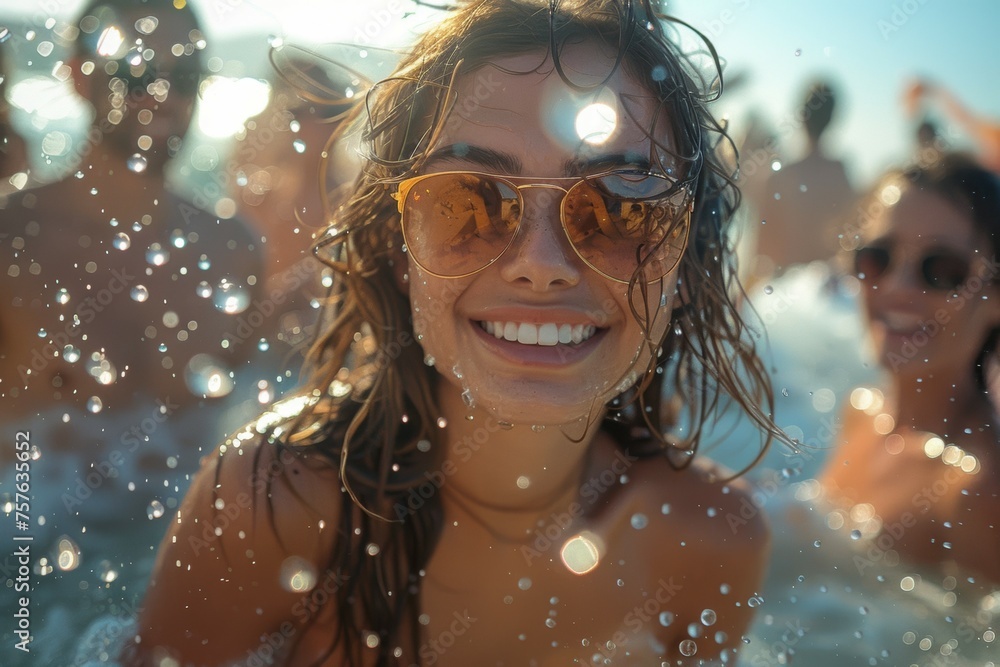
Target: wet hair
x=817 y=109
x=374 y=413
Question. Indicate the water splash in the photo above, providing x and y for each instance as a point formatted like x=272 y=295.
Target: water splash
x=155 y=510
x=139 y=293
x=136 y=163
x=231 y=298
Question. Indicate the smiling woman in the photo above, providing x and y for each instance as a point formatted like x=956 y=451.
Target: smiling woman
x=486 y=465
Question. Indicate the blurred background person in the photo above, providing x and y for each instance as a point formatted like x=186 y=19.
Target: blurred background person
x=922 y=451
x=920 y=95
x=116 y=286
x=801 y=200
x=14 y=172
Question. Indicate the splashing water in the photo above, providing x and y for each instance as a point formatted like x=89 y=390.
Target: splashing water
x=136 y=163
x=231 y=298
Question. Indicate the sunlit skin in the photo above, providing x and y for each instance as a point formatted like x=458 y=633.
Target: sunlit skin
x=512 y=497
x=932 y=392
x=63 y=238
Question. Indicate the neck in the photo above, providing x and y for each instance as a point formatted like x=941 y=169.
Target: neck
x=509 y=474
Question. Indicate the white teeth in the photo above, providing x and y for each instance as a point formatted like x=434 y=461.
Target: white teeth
x=527 y=334
x=547 y=334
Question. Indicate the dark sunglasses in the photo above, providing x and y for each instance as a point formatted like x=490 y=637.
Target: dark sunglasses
x=940 y=269
x=456 y=223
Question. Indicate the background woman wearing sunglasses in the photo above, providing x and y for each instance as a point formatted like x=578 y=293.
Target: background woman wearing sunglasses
x=479 y=471
x=920 y=456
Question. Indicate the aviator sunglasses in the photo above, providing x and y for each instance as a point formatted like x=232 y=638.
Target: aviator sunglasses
x=456 y=223
x=939 y=268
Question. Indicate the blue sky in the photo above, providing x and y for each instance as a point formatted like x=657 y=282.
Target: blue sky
x=867 y=47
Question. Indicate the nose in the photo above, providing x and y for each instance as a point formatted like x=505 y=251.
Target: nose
x=540 y=255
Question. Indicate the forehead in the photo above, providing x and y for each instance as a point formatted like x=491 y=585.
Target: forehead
x=520 y=105
x=922 y=218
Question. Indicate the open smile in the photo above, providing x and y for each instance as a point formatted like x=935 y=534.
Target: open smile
x=547 y=334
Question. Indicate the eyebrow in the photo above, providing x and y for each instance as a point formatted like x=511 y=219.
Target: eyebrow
x=507 y=163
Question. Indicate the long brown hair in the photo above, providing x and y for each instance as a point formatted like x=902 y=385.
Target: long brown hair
x=374 y=414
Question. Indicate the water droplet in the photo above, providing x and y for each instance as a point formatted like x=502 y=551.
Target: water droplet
x=442 y=422
x=784 y=391
x=639 y=521
x=424 y=445
x=156 y=255
x=688 y=648
x=538 y=428
x=136 y=163
x=768 y=289
x=372 y=549
x=297 y=575
x=204 y=263
x=155 y=510
x=299 y=146
x=71 y=354
x=274 y=41
x=42 y=333
x=108 y=572
x=798 y=52
x=817 y=544
x=121 y=241
x=139 y=293
x=508 y=599
x=666 y=618
x=755 y=601
x=550 y=622
x=94 y=404
x=855 y=534
x=231 y=298
x=467 y=398
x=67 y=554
x=4 y=34
x=620 y=583
x=708 y=617
x=206 y=376
x=524 y=583
x=162 y=347
x=724 y=589
x=62 y=296
x=429 y=360
x=204 y=290
x=665 y=508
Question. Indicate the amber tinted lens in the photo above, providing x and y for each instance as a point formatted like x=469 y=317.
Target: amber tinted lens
x=616 y=222
x=456 y=224
x=944 y=270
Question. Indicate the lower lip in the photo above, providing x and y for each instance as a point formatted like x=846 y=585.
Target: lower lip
x=552 y=356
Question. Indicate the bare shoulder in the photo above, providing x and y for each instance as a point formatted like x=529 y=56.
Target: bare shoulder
x=254 y=533
x=714 y=542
